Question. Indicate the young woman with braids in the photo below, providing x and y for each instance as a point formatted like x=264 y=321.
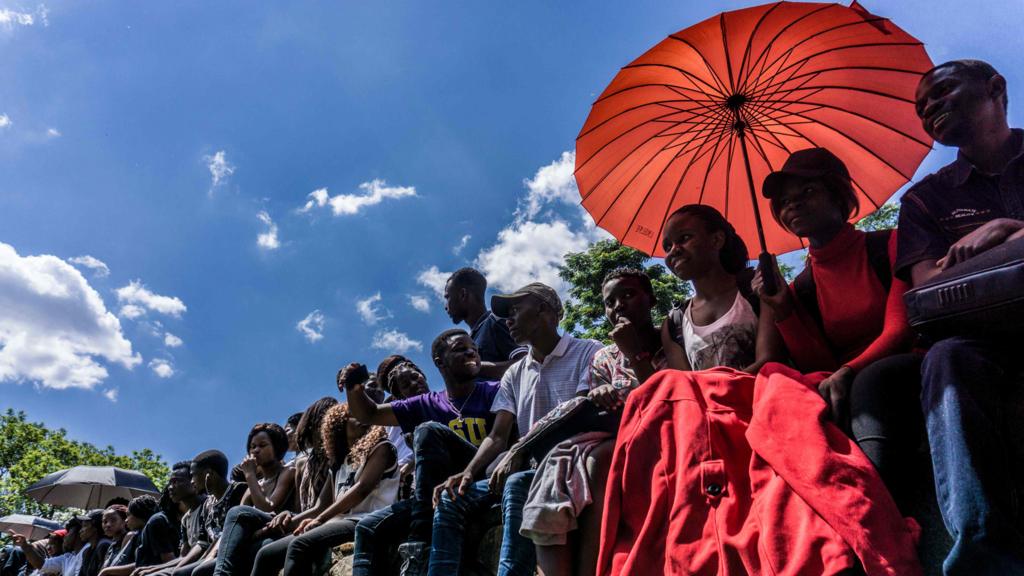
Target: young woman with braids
x=246 y=528
x=271 y=483
x=365 y=479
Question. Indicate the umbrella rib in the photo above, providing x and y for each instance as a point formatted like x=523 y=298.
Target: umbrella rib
x=725 y=47
x=685 y=73
x=808 y=76
x=626 y=186
x=722 y=89
x=764 y=52
x=620 y=135
x=619 y=162
x=743 y=70
x=675 y=191
x=665 y=103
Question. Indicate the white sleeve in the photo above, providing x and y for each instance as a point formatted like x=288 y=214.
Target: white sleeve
x=583 y=385
x=505 y=399
x=54 y=565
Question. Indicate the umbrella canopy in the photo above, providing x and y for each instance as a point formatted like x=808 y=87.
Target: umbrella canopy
x=31 y=527
x=90 y=487
x=704 y=116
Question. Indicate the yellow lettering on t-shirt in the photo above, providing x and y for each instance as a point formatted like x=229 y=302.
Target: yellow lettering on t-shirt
x=472 y=430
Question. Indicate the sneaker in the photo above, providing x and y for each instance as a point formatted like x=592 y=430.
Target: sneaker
x=415 y=558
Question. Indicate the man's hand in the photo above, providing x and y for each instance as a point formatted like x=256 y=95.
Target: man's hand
x=17 y=539
x=625 y=336
x=781 y=302
x=306 y=525
x=835 y=390
x=606 y=396
x=282 y=521
x=349 y=380
x=511 y=463
x=988 y=235
x=455 y=486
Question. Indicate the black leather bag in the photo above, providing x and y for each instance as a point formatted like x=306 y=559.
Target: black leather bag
x=983 y=296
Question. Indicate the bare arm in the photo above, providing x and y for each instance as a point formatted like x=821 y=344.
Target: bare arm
x=382 y=458
x=277 y=500
x=32 y=555
x=675 y=356
x=363 y=408
x=495 y=370
x=769 y=344
x=494 y=444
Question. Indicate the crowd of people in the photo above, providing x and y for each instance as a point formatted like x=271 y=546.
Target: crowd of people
x=755 y=431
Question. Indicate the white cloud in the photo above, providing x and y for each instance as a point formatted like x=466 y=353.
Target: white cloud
x=312 y=326
x=395 y=342
x=219 y=168
x=458 y=248
x=162 y=367
x=10 y=18
x=267 y=240
x=374 y=192
x=111 y=394
x=420 y=303
x=551 y=183
x=131 y=311
x=434 y=279
x=53 y=133
x=95 y=264
x=530 y=252
x=172 y=341
x=55 y=328
x=136 y=293
x=5 y=121
x=370 y=310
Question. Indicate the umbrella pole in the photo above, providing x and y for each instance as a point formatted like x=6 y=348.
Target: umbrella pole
x=764 y=260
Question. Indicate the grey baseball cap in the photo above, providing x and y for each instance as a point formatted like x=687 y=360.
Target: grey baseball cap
x=500 y=303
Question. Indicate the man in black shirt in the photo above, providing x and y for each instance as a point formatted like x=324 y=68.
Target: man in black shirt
x=464 y=302
x=967 y=207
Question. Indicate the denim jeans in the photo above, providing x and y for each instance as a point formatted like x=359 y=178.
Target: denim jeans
x=237 y=548
x=440 y=453
x=518 y=556
x=376 y=535
x=963 y=383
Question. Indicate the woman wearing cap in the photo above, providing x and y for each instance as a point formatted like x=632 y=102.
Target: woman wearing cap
x=844 y=313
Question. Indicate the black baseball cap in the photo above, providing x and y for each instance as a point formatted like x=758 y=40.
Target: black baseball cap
x=809 y=163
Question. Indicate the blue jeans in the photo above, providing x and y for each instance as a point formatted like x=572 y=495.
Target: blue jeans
x=518 y=557
x=963 y=383
x=440 y=453
x=376 y=535
x=237 y=548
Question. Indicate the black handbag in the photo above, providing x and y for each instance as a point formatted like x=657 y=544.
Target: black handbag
x=983 y=296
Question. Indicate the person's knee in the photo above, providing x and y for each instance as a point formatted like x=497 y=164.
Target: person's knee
x=428 y=432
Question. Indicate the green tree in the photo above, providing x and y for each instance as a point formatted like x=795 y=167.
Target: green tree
x=30 y=450
x=885 y=218
x=584 y=271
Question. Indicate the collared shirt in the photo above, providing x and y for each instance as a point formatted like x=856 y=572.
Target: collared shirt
x=493 y=341
x=67 y=564
x=217 y=509
x=610 y=366
x=953 y=202
x=530 y=389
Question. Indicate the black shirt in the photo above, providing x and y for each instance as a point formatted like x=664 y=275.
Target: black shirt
x=156 y=538
x=493 y=341
x=953 y=202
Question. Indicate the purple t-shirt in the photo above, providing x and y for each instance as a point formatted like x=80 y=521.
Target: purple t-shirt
x=473 y=426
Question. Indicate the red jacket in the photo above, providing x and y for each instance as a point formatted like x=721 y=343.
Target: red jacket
x=719 y=472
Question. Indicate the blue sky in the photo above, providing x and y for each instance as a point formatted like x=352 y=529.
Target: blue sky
x=239 y=168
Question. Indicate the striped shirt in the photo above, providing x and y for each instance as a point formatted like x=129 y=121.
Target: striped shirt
x=530 y=389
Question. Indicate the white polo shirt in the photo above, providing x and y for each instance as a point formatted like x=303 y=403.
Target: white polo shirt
x=67 y=564
x=530 y=389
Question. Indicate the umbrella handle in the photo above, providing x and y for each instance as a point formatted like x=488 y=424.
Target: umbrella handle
x=766 y=266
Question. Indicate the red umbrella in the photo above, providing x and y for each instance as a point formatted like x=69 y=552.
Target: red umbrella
x=706 y=114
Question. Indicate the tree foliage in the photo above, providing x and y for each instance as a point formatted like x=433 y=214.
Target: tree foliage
x=30 y=450
x=584 y=271
x=885 y=218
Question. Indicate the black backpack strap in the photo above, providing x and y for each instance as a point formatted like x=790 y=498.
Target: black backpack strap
x=877 y=245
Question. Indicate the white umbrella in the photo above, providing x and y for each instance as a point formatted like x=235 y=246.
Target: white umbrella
x=31 y=527
x=90 y=487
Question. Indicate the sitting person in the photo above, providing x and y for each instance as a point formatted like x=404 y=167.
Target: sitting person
x=967 y=207
x=95 y=543
x=122 y=540
x=449 y=426
x=464 y=302
x=58 y=551
x=247 y=529
x=554 y=370
x=156 y=537
x=402 y=379
x=858 y=333
x=195 y=540
x=289 y=428
x=562 y=514
x=67 y=564
x=721 y=324
x=365 y=479
x=209 y=474
x=270 y=483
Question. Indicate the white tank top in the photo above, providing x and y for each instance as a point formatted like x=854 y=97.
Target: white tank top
x=383 y=495
x=729 y=341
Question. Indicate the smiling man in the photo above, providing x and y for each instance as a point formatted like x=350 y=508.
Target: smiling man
x=967 y=207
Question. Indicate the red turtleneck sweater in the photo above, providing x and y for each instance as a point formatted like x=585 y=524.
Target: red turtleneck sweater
x=862 y=323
